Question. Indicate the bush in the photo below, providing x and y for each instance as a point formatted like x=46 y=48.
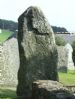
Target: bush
x=60 y=41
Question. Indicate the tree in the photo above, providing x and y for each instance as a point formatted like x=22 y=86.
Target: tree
x=9 y=25
x=60 y=41
x=59 y=29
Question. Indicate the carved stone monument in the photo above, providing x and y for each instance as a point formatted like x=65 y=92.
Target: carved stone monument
x=37 y=49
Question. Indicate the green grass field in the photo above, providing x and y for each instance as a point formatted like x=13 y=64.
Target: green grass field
x=4 y=35
x=7 y=92
x=67 y=78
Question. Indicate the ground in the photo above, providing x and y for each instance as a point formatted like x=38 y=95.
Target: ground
x=7 y=92
x=67 y=78
x=4 y=35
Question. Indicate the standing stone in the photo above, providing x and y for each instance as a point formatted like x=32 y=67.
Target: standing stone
x=69 y=51
x=65 y=61
x=62 y=59
x=9 y=62
x=1 y=59
x=38 y=53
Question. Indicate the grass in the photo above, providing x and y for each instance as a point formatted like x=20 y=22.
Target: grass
x=7 y=92
x=4 y=35
x=67 y=78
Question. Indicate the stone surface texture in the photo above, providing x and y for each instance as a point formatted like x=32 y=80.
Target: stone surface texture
x=37 y=48
x=69 y=51
x=62 y=58
x=9 y=62
x=48 y=89
x=65 y=61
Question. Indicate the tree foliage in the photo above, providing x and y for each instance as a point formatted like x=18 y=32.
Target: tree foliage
x=59 y=29
x=9 y=25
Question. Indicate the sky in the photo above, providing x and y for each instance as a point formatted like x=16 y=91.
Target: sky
x=58 y=12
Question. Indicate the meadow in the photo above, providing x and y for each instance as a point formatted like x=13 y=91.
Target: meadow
x=7 y=92
x=68 y=79
x=4 y=35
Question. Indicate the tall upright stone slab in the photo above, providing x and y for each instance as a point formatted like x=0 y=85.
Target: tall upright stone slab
x=62 y=59
x=9 y=62
x=38 y=54
x=69 y=61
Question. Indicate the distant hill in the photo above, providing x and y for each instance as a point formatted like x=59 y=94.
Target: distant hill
x=12 y=26
x=59 y=29
x=8 y=25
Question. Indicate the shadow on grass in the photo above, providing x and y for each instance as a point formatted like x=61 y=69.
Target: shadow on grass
x=7 y=94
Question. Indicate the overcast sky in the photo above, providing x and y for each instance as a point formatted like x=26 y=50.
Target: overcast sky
x=58 y=12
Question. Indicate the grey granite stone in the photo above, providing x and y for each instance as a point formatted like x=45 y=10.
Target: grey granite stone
x=37 y=49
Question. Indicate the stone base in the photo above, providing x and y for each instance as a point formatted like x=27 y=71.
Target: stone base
x=71 y=66
x=46 y=89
